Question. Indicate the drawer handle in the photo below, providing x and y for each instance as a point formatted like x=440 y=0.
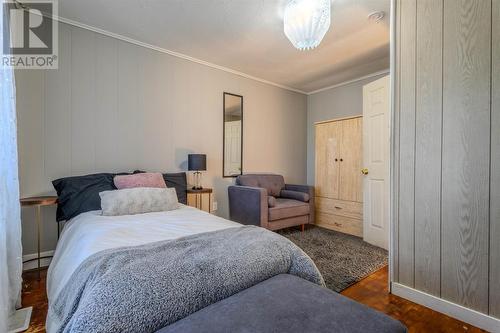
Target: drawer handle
x=338 y=207
x=337 y=224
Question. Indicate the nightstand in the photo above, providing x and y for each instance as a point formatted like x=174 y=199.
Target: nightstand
x=37 y=203
x=201 y=199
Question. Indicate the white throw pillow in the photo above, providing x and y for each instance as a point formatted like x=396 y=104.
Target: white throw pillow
x=138 y=200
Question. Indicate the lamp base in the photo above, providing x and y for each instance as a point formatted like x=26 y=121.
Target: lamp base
x=197 y=181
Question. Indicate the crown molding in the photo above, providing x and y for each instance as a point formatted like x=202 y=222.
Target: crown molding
x=172 y=53
x=385 y=71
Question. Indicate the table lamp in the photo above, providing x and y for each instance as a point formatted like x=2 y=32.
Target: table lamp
x=197 y=163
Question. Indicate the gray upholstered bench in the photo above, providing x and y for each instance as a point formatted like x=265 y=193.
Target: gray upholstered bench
x=286 y=303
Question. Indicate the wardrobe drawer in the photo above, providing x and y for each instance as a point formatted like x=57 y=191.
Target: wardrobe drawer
x=350 y=209
x=343 y=224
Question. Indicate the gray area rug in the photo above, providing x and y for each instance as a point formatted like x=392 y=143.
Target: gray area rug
x=342 y=259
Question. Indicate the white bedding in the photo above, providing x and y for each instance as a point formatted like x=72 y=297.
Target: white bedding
x=90 y=232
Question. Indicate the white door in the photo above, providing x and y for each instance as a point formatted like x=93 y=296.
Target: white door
x=376 y=167
x=232 y=141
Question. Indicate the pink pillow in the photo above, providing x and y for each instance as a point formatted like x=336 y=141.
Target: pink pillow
x=140 y=180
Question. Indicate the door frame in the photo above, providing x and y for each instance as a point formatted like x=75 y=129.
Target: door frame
x=393 y=150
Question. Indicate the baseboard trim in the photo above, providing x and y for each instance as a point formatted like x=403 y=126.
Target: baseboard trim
x=33 y=264
x=456 y=311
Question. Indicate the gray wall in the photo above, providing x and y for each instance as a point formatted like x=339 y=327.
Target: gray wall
x=340 y=102
x=115 y=106
x=448 y=151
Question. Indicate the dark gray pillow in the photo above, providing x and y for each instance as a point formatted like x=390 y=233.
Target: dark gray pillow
x=295 y=195
x=80 y=194
x=179 y=182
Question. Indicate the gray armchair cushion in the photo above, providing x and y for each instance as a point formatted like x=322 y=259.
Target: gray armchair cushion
x=295 y=195
x=272 y=183
x=271 y=201
x=286 y=208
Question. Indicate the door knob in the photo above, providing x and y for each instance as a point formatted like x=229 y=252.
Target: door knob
x=364 y=171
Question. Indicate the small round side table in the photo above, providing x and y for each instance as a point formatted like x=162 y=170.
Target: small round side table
x=37 y=203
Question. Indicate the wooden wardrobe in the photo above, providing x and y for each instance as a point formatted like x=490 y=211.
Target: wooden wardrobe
x=339 y=188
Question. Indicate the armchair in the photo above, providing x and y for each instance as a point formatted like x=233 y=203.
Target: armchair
x=265 y=200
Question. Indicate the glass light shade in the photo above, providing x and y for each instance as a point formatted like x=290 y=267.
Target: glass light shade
x=306 y=22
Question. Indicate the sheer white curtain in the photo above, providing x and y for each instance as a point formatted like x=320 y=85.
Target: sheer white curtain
x=10 y=220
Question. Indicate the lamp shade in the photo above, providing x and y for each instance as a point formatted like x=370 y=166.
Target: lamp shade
x=197 y=162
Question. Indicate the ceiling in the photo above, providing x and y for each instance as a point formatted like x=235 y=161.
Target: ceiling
x=247 y=36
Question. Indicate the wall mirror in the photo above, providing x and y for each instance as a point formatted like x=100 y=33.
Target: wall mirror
x=232 y=165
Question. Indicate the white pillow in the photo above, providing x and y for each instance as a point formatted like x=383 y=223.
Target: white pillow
x=138 y=200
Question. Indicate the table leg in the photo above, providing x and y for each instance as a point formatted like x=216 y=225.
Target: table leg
x=38 y=217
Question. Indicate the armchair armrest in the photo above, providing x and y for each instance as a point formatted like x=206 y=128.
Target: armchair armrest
x=248 y=205
x=305 y=189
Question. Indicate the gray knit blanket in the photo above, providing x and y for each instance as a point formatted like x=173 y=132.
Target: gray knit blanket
x=144 y=288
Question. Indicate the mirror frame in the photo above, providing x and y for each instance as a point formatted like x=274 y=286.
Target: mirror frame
x=224 y=134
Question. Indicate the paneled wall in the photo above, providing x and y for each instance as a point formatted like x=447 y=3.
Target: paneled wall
x=447 y=175
x=115 y=106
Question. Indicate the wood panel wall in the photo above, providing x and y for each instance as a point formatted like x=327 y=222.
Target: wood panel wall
x=428 y=124
x=448 y=111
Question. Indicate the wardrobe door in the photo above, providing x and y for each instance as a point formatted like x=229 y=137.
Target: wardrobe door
x=350 y=180
x=320 y=158
x=328 y=140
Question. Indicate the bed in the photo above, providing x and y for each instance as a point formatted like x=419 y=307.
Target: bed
x=185 y=270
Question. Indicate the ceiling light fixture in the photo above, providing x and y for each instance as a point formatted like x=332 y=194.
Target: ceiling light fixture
x=306 y=22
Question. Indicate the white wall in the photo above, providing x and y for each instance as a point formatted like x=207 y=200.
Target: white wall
x=340 y=102
x=115 y=106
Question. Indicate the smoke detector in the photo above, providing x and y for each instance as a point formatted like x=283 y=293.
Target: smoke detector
x=376 y=16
